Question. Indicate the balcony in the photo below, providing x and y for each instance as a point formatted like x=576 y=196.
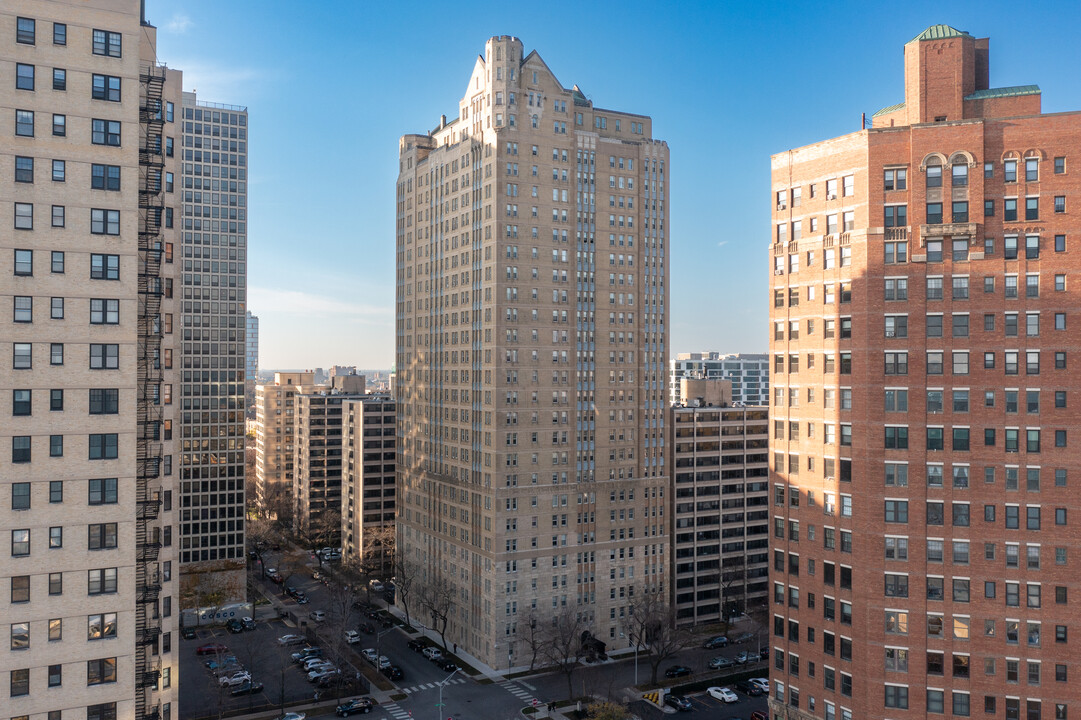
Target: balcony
x=944 y=229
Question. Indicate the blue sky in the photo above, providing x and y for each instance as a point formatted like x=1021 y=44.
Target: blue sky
x=332 y=85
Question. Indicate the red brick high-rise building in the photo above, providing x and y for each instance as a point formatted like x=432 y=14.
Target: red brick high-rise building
x=924 y=444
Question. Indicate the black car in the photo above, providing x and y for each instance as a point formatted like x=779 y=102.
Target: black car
x=415 y=645
x=743 y=637
x=360 y=705
x=446 y=665
x=763 y=654
x=748 y=688
x=247 y=688
x=677 y=671
x=719 y=641
x=234 y=626
x=187 y=633
x=678 y=702
x=393 y=672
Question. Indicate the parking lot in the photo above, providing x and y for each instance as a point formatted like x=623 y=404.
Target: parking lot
x=702 y=702
x=259 y=653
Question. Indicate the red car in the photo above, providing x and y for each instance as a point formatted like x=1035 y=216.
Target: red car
x=211 y=649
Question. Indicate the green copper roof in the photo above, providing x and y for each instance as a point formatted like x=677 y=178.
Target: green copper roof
x=1003 y=92
x=939 y=32
x=888 y=110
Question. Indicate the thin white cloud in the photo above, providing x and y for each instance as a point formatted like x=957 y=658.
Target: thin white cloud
x=722 y=243
x=273 y=301
x=230 y=84
x=179 y=24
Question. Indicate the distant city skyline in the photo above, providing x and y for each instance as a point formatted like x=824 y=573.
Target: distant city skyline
x=747 y=80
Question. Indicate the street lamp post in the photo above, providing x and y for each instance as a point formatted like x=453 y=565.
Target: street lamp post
x=439 y=707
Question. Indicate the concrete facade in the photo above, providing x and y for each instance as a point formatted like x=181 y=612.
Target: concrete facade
x=275 y=415
x=720 y=518
x=251 y=362
x=368 y=482
x=531 y=361
x=923 y=307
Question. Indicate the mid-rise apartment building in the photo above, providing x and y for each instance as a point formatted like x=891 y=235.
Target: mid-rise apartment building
x=368 y=482
x=87 y=491
x=318 y=453
x=923 y=340
x=748 y=372
x=251 y=362
x=214 y=156
x=720 y=519
x=531 y=359
x=275 y=415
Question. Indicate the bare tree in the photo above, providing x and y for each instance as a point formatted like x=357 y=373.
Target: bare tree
x=606 y=711
x=731 y=579
x=437 y=597
x=653 y=627
x=377 y=555
x=261 y=534
x=340 y=599
x=562 y=644
x=405 y=583
x=533 y=632
x=324 y=530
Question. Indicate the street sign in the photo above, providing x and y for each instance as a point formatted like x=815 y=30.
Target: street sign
x=534 y=702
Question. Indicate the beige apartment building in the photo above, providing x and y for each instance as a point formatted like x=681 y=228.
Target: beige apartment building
x=720 y=498
x=531 y=360
x=275 y=415
x=86 y=493
x=317 y=483
x=368 y=482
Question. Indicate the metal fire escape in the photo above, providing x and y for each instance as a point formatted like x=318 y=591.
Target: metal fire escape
x=149 y=449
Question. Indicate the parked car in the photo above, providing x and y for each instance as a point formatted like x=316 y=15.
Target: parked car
x=292 y=716
x=415 y=645
x=759 y=715
x=318 y=615
x=678 y=702
x=723 y=694
x=369 y=654
x=763 y=653
x=745 y=657
x=393 y=672
x=677 y=671
x=248 y=623
x=370 y=629
x=743 y=637
x=235 y=679
x=718 y=641
x=312 y=663
x=352 y=637
x=446 y=665
x=247 y=688
x=290 y=639
x=384 y=662
x=220 y=661
x=376 y=586
x=432 y=653
x=234 y=626
x=307 y=653
x=720 y=662
x=275 y=578
x=762 y=683
x=211 y=649
x=749 y=688
x=316 y=675
x=188 y=633
x=359 y=705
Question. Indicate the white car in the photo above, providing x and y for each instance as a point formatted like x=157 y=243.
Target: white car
x=313 y=663
x=293 y=716
x=290 y=639
x=433 y=653
x=762 y=683
x=384 y=662
x=723 y=694
x=369 y=654
x=352 y=637
x=318 y=615
x=234 y=679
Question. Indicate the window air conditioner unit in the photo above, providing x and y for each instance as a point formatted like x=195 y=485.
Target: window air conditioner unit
x=890 y=333
x=778 y=272
x=781 y=206
x=831 y=196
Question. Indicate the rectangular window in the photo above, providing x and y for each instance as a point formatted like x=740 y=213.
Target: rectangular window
x=934 y=211
x=960 y=211
x=101 y=671
x=101 y=536
x=103 y=446
x=106 y=87
x=104 y=357
x=105 y=132
x=104 y=267
x=104 y=222
x=102 y=491
x=105 y=177
x=107 y=43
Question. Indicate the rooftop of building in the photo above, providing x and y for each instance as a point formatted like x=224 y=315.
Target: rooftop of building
x=939 y=32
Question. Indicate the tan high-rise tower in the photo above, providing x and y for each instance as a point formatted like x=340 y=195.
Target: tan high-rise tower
x=532 y=343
